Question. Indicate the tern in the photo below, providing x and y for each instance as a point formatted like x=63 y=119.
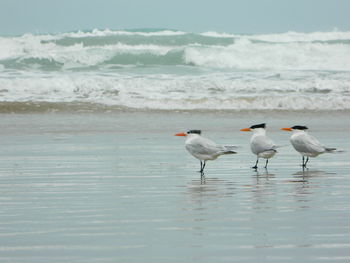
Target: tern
x=305 y=144
x=202 y=148
x=261 y=145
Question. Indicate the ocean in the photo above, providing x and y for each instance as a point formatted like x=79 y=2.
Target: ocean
x=161 y=69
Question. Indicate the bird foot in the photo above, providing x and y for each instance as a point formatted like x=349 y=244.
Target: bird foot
x=304 y=167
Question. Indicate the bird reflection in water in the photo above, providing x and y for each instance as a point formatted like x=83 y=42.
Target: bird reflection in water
x=306 y=174
x=262 y=190
x=203 y=193
x=306 y=182
x=210 y=186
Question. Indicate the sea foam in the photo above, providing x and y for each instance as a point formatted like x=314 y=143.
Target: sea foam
x=166 y=69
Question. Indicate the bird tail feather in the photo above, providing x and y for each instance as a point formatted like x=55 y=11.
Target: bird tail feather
x=229 y=152
x=334 y=150
x=229 y=149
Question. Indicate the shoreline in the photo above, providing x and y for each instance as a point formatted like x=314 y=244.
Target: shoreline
x=87 y=107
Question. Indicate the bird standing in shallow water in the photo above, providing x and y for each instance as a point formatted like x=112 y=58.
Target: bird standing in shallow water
x=204 y=149
x=305 y=144
x=261 y=145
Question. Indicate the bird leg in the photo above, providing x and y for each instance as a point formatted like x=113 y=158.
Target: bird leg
x=267 y=161
x=305 y=162
x=256 y=164
x=203 y=166
x=201 y=170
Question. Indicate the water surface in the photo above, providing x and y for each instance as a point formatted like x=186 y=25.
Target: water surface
x=121 y=188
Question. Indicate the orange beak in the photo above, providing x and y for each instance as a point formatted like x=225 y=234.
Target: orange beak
x=245 y=129
x=286 y=129
x=180 y=134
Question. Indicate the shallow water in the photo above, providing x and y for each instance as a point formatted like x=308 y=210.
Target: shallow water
x=121 y=188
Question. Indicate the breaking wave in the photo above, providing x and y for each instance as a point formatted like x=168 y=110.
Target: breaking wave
x=169 y=69
x=291 y=51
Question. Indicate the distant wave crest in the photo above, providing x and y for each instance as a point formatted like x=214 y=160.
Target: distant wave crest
x=76 y=50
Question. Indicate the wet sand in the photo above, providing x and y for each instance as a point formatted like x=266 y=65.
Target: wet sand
x=119 y=187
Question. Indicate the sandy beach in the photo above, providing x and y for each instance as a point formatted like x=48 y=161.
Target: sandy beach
x=119 y=187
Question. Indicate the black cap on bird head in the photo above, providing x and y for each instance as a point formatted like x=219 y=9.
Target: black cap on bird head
x=262 y=125
x=298 y=127
x=194 y=131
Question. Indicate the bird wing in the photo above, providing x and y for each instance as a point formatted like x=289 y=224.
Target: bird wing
x=261 y=144
x=307 y=144
x=203 y=146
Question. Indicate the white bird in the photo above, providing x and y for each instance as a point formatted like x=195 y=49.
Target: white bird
x=305 y=144
x=261 y=145
x=204 y=149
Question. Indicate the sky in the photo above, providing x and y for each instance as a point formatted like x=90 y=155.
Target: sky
x=231 y=16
